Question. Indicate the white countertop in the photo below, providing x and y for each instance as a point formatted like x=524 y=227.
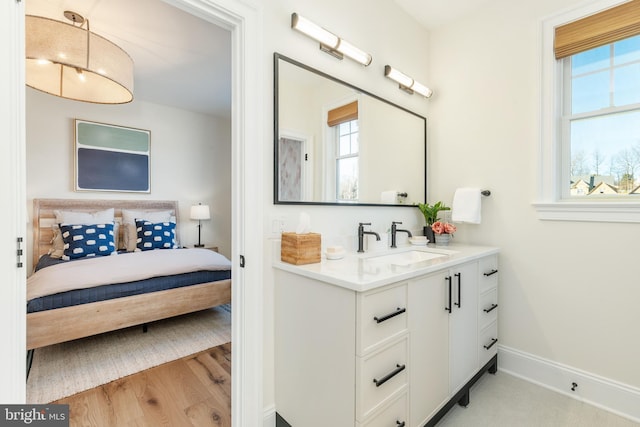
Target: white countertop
x=361 y=272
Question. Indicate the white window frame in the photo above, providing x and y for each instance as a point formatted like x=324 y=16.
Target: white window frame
x=553 y=202
x=337 y=157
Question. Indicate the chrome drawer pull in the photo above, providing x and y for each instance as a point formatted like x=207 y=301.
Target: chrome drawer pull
x=399 y=368
x=491 y=273
x=400 y=423
x=493 y=341
x=490 y=309
x=389 y=316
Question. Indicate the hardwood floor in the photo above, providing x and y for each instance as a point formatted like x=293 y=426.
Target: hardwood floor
x=192 y=391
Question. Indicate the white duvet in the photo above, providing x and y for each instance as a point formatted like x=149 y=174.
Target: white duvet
x=121 y=268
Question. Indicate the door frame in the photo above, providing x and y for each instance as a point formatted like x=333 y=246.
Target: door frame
x=244 y=21
x=306 y=165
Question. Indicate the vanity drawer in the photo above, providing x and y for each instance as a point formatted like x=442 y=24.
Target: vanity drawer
x=488 y=308
x=382 y=316
x=488 y=343
x=392 y=416
x=488 y=269
x=380 y=377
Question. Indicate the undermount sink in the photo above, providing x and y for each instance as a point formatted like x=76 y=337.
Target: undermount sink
x=406 y=258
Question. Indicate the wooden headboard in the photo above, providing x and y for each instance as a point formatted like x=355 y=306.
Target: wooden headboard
x=44 y=218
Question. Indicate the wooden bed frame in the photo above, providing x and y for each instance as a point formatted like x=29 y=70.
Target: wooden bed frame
x=69 y=323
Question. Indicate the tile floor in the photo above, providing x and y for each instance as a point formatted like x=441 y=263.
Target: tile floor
x=503 y=400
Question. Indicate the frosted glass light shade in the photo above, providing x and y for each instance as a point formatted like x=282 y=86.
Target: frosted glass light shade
x=398 y=76
x=200 y=212
x=329 y=41
x=407 y=83
x=72 y=62
x=314 y=31
x=421 y=89
x=354 y=53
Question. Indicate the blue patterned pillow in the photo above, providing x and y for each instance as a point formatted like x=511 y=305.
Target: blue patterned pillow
x=82 y=241
x=160 y=235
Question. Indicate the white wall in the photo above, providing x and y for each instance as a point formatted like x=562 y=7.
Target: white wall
x=384 y=31
x=568 y=290
x=190 y=159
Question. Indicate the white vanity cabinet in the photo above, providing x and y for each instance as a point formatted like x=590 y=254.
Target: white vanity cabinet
x=488 y=309
x=429 y=331
x=315 y=340
x=341 y=356
x=463 y=324
x=398 y=354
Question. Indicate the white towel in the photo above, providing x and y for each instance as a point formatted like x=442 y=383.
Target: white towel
x=466 y=205
x=389 y=197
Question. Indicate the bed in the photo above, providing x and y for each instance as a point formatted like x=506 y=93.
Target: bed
x=128 y=302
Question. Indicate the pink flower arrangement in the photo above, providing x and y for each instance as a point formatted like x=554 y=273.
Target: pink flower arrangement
x=439 y=227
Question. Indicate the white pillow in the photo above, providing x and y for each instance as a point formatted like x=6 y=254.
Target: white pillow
x=80 y=218
x=84 y=218
x=129 y=217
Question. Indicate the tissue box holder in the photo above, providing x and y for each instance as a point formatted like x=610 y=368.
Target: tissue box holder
x=300 y=249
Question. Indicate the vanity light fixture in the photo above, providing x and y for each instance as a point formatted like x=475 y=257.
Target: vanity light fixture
x=329 y=42
x=407 y=83
x=70 y=61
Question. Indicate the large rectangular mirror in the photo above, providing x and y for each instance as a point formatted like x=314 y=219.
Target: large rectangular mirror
x=340 y=145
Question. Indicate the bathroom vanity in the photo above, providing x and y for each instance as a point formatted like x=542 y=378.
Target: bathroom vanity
x=384 y=339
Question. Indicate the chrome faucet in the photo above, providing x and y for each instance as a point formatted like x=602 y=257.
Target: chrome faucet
x=361 y=234
x=394 y=230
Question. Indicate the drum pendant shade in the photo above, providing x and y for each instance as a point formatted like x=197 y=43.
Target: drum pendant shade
x=69 y=61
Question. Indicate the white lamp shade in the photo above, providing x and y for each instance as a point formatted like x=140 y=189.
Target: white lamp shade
x=200 y=212
x=74 y=63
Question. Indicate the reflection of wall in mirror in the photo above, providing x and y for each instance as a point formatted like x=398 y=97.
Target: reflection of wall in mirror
x=384 y=163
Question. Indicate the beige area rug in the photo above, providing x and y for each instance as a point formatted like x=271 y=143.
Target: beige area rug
x=65 y=369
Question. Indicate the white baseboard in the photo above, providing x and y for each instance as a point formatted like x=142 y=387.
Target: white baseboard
x=607 y=394
x=269 y=416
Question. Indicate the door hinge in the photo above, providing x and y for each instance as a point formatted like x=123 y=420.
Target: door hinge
x=306 y=157
x=19 y=252
x=242 y=261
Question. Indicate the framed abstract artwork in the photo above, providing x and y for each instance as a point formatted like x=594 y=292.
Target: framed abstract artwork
x=111 y=158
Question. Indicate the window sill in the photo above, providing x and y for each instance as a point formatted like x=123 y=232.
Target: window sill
x=589 y=211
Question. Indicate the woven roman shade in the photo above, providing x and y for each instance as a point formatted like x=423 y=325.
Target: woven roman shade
x=603 y=28
x=343 y=114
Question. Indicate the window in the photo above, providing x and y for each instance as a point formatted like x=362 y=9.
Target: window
x=601 y=120
x=343 y=122
x=347 y=161
x=590 y=134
